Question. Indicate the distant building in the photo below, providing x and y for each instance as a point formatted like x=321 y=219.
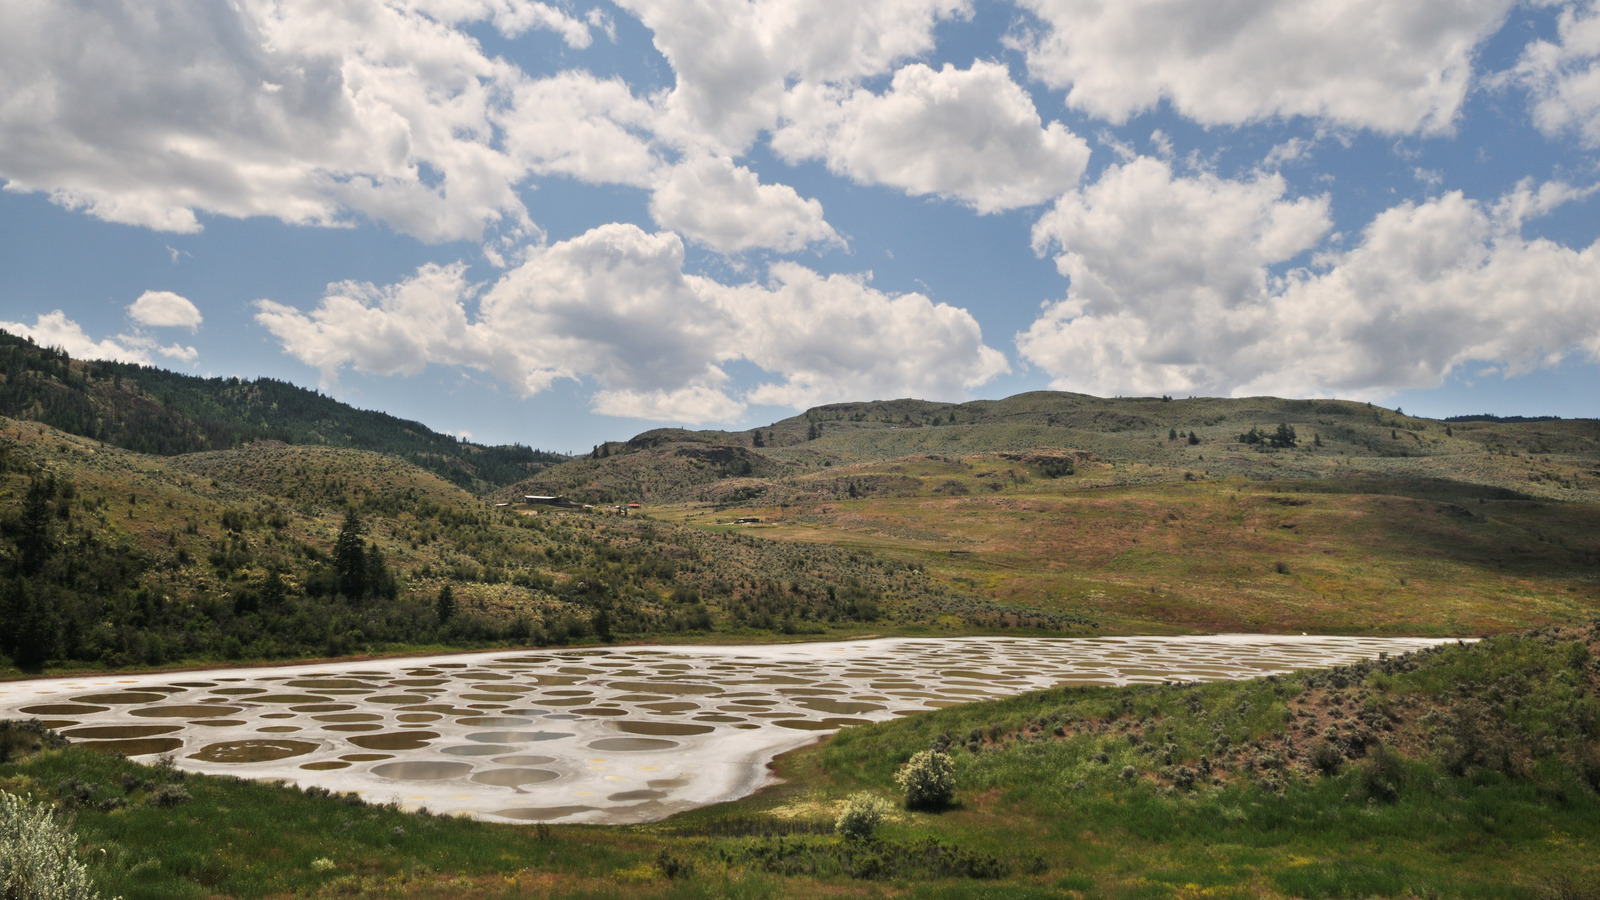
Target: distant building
x=748 y=520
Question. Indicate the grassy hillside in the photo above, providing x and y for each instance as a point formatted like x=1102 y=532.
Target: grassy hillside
x=154 y=411
x=1129 y=440
x=1146 y=514
x=112 y=558
x=1468 y=771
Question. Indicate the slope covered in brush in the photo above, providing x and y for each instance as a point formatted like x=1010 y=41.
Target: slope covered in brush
x=155 y=411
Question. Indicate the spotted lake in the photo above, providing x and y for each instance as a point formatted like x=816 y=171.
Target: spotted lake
x=613 y=735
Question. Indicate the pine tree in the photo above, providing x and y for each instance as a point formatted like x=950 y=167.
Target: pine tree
x=350 y=558
x=445 y=606
x=1172 y=434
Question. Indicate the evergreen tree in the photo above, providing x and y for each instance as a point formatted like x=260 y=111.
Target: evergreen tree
x=445 y=606
x=350 y=558
x=34 y=545
x=1172 y=434
x=1193 y=439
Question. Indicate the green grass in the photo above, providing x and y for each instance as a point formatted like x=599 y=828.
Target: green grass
x=1037 y=814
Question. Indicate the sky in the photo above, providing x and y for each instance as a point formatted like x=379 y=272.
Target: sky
x=558 y=223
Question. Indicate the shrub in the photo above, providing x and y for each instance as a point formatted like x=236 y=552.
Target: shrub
x=862 y=815
x=929 y=780
x=169 y=795
x=38 y=854
x=1383 y=775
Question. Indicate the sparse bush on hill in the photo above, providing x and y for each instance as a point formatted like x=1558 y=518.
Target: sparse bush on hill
x=928 y=779
x=38 y=854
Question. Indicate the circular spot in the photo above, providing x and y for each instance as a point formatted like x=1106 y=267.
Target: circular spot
x=633 y=744
x=279 y=729
x=677 y=729
x=516 y=737
x=492 y=721
x=524 y=759
x=601 y=711
x=184 y=712
x=803 y=724
x=136 y=746
x=399 y=699
x=419 y=717
x=350 y=717
x=366 y=757
x=216 y=723
x=670 y=708
x=637 y=795
x=422 y=770
x=322 y=707
x=57 y=723
x=120 y=731
x=503 y=688
x=62 y=709
x=541 y=813
x=476 y=749
x=195 y=684
x=289 y=699
x=239 y=691
x=395 y=740
x=325 y=766
x=515 y=777
x=122 y=697
x=253 y=751
x=318 y=684
x=355 y=726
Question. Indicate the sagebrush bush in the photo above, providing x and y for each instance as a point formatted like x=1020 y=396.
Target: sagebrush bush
x=38 y=855
x=929 y=780
x=863 y=813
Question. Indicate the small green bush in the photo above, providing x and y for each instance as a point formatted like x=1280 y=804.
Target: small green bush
x=862 y=815
x=38 y=855
x=929 y=780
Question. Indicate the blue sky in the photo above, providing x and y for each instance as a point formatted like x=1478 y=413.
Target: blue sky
x=564 y=222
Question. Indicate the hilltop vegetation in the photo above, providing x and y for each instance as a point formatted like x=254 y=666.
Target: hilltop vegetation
x=1149 y=514
x=1466 y=771
x=113 y=558
x=164 y=413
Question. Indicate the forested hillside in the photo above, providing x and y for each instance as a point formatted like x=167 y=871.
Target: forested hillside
x=155 y=411
x=115 y=558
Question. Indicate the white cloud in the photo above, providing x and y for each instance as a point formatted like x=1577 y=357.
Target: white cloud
x=614 y=306
x=54 y=329
x=159 y=111
x=510 y=17
x=734 y=59
x=164 y=309
x=713 y=202
x=575 y=124
x=836 y=338
x=973 y=135
x=1172 y=290
x=1564 y=75
x=1390 y=65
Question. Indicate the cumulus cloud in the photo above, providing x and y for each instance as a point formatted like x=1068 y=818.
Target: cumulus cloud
x=164 y=309
x=1564 y=75
x=972 y=135
x=835 y=338
x=614 y=306
x=734 y=59
x=713 y=202
x=159 y=111
x=576 y=124
x=1173 y=289
x=54 y=329
x=1390 y=65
